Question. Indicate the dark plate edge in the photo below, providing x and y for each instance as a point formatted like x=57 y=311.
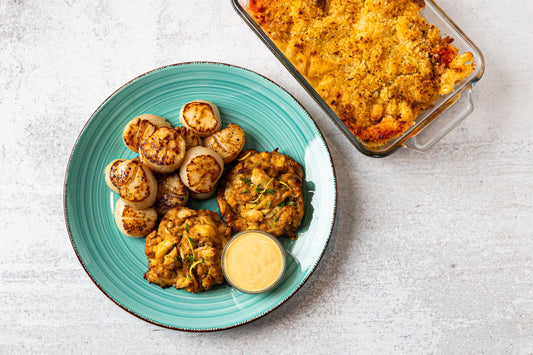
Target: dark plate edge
x=192 y=329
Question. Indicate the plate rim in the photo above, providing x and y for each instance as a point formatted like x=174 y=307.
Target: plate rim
x=201 y=330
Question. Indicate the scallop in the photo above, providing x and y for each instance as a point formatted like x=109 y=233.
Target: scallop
x=202 y=117
x=200 y=171
x=204 y=195
x=135 y=183
x=228 y=142
x=140 y=128
x=163 y=151
x=171 y=192
x=134 y=222
x=191 y=139
x=111 y=167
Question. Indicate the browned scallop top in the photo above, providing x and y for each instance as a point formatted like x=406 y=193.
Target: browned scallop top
x=191 y=139
x=200 y=115
x=203 y=171
x=134 y=221
x=171 y=192
x=131 y=179
x=185 y=250
x=263 y=191
x=163 y=147
x=377 y=64
x=137 y=132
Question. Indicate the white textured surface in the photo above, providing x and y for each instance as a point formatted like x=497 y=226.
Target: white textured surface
x=432 y=253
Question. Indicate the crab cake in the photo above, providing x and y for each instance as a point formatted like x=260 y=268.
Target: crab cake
x=185 y=250
x=263 y=191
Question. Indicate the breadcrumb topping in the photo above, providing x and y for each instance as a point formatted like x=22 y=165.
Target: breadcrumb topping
x=377 y=63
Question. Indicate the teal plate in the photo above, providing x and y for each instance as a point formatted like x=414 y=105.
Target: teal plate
x=270 y=117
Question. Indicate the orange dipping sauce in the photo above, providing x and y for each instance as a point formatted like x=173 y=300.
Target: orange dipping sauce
x=253 y=261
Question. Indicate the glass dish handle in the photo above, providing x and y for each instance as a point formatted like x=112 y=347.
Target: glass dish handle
x=445 y=122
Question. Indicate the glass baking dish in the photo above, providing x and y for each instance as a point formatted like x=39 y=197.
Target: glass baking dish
x=432 y=124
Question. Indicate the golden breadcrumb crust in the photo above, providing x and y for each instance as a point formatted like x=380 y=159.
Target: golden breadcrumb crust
x=263 y=191
x=185 y=250
x=377 y=63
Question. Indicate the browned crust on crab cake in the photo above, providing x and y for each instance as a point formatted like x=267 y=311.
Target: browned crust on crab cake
x=185 y=250
x=263 y=191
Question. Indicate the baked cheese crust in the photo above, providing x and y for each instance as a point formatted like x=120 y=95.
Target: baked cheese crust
x=377 y=63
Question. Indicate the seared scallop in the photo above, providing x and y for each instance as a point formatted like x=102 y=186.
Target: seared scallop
x=133 y=222
x=202 y=117
x=171 y=192
x=200 y=171
x=140 y=128
x=163 y=150
x=204 y=195
x=136 y=184
x=112 y=166
x=191 y=139
x=228 y=142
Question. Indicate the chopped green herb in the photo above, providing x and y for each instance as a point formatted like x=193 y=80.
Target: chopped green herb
x=270 y=191
x=192 y=243
x=171 y=258
x=192 y=247
x=244 y=192
x=249 y=182
x=261 y=190
x=276 y=219
x=188 y=277
x=187 y=227
x=287 y=202
x=268 y=204
x=287 y=186
x=190 y=258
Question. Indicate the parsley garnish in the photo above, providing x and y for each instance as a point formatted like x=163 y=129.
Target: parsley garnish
x=192 y=243
x=286 y=203
x=249 y=182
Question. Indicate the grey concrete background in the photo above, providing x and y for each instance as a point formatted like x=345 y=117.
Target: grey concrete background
x=432 y=253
